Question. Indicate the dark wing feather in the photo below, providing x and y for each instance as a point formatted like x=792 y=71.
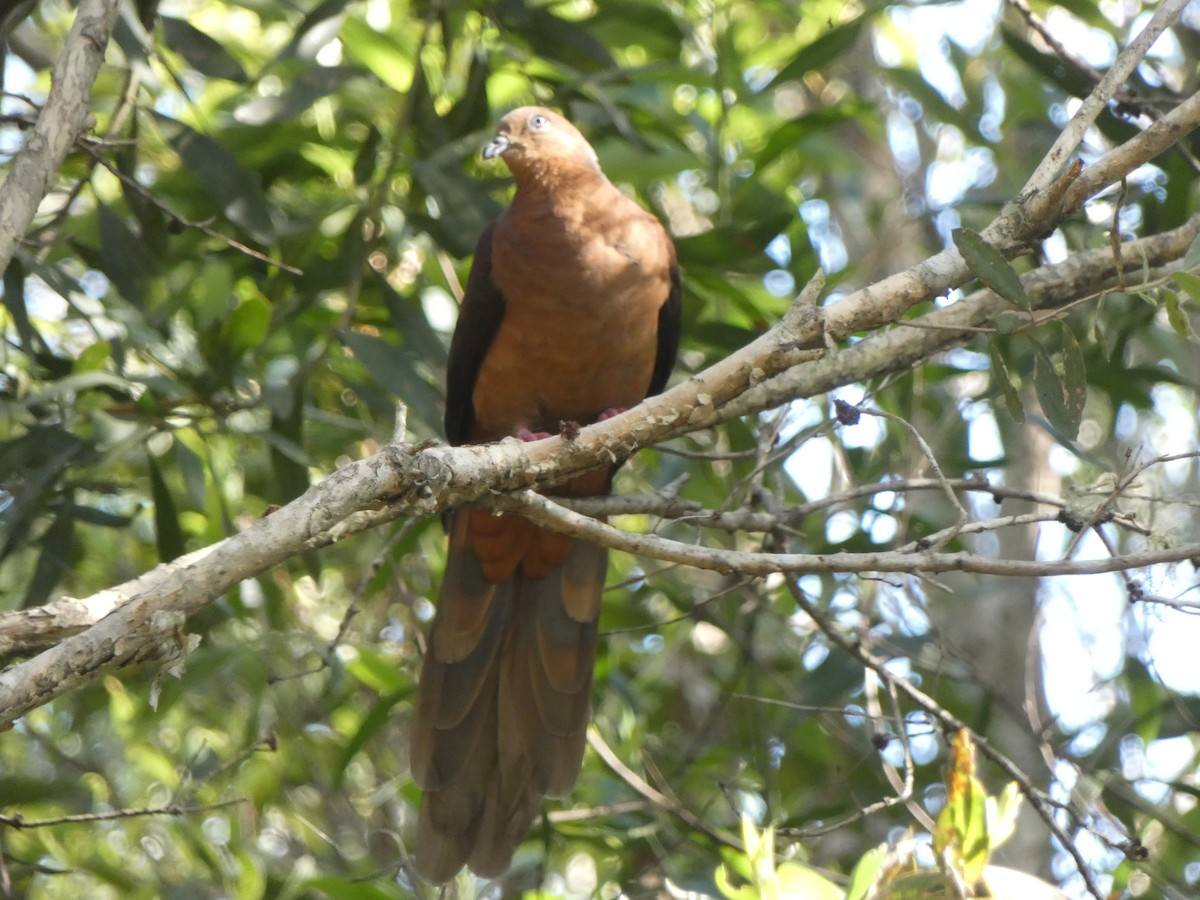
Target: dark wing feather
x=478 y=320
x=670 y=324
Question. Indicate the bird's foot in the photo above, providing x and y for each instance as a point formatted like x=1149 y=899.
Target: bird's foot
x=609 y=413
x=528 y=436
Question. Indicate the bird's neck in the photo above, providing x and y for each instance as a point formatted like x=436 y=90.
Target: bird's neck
x=559 y=177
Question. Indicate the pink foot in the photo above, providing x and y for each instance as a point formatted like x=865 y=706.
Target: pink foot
x=609 y=413
x=527 y=436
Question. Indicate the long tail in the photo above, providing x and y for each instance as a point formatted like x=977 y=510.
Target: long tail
x=505 y=693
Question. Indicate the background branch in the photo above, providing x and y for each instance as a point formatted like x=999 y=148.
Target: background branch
x=63 y=118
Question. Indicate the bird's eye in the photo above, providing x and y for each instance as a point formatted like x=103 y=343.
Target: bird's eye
x=538 y=122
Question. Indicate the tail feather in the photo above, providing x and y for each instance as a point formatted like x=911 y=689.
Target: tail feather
x=505 y=695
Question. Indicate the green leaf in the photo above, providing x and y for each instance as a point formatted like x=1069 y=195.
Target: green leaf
x=389 y=60
x=1010 y=321
x=202 y=53
x=1074 y=377
x=1147 y=700
x=288 y=459
x=795 y=880
x=1176 y=315
x=94 y=358
x=1003 y=380
x=365 y=158
x=14 y=302
x=409 y=320
x=167 y=533
x=126 y=262
x=932 y=102
x=396 y=369
x=247 y=326
x=555 y=38
x=1052 y=395
x=67 y=387
x=867 y=873
x=793 y=132
x=823 y=50
x=212 y=294
x=377 y=672
x=308 y=87
x=462 y=206
x=471 y=112
x=100 y=518
x=1002 y=812
x=235 y=190
x=372 y=723
x=961 y=833
x=55 y=554
x=731 y=891
x=1189 y=282
x=191 y=467
x=991 y=267
x=1191 y=259
x=319 y=26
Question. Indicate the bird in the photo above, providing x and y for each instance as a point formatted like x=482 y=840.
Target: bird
x=571 y=313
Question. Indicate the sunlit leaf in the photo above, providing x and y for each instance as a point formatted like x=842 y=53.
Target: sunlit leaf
x=867 y=873
x=1002 y=813
x=376 y=672
x=387 y=58
x=961 y=834
x=795 y=880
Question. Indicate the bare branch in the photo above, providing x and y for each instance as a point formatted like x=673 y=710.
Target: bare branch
x=655 y=797
x=544 y=511
x=1094 y=103
x=172 y=809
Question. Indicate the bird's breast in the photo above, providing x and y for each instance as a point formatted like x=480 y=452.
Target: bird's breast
x=579 y=335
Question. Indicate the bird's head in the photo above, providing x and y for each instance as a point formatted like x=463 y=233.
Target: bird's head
x=533 y=140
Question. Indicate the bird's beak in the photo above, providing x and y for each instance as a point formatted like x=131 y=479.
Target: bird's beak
x=497 y=146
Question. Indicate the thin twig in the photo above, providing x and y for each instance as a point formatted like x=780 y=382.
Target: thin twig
x=857 y=649
x=18 y=821
x=660 y=800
